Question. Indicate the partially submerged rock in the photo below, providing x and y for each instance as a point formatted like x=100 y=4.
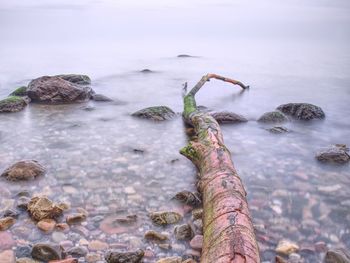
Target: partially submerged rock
x=188 y=198
x=6 y=223
x=183 y=232
x=124 y=257
x=165 y=218
x=334 y=154
x=13 y=104
x=42 y=207
x=57 y=90
x=337 y=256
x=76 y=78
x=286 y=247
x=24 y=170
x=273 y=117
x=153 y=235
x=302 y=111
x=157 y=113
x=46 y=252
x=100 y=97
x=228 y=117
x=20 y=92
x=75 y=218
x=278 y=129
x=170 y=260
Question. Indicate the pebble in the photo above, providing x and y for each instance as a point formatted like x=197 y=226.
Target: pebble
x=62 y=227
x=6 y=240
x=129 y=190
x=23 y=251
x=97 y=245
x=57 y=237
x=26 y=260
x=46 y=252
x=77 y=252
x=7 y=256
x=67 y=260
x=153 y=235
x=183 y=232
x=197 y=242
x=286 y=247
x=197 y=213
x=93 y=257
x=75 y=218
x=6 y=223
x=46 y=225
x=170 y=260
x=165 y=218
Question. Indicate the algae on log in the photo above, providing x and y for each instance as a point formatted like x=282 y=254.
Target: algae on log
x=228 y=230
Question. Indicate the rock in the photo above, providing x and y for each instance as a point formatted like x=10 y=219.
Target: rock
x=26 y=260
x=146 y=70
x=189 y=260
x=57 y=90
x=334 y=154
x=197 y=242
x=165 y=246
x=75 y=218
x=286 y=247
x=23 y=251
x=23 y=202
x=76 y=78
x=165 y=218
x=43 y=208
x=97 y=245
x=157 y=113
x=12 y=104
x=273 y=117
x=62 y=227
x=93 y=257
x=124 y=257
x=337 y=256
x=170 y=260
x=197 y=213
x=183 y=232
x=302 y=111
x=280 y=260
x=6 y=223
x=129 y=189
x=278 y=130
x=100 y=97
x=46 y=225
x=24 y=170
x=46 y=252
x=153 y=235
x=117 y=225
x=58 y=237
x=20 y=92
x=77 y=252
x=6 y=240
x=7 y=256
x=11 y=213
x=67 y=260
x=184 y=56
x=198 y=224
x=228 y=117
x=188 y=198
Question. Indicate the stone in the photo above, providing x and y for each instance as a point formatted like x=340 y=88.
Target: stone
x=286 y=247
x=183 y=232
x=198 y=224
x=6 y=240
x=77 y=252
x=273 y=117
x=165 y=246
x=153 y=235
x=165 y=217
x=302 y=111
x=337 y=256
x=6 y=223
x=197 y=242
x=57 y=90
x=334 y=154
x=184 y=56
x=129 y=190
x=46 y=252
x=12 y=104
x=189 y=260
x=157 y=113
x=23 y=251
x=188 y=198
x=20 y=92
x=97 y=245
x=124 y=257
x=75 y=218
x=62 y=227
x=46 y=225
x=100 y=97
x=11 y=213
x=170 y=260
x=7 y=256
x=76 y=78
x=278 y=129
x=93 y=257
x=22 y=202
x=43 y=208
x=197 y=213
x=23 y=171
x=118 y=225
x=58 y=237
x=67 y=260
x=146 y=70
x=26 y=260
x=228 y=117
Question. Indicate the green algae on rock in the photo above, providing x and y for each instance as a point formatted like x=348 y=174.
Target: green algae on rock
x=157 y=113
x=12 y=104
x=21 y=91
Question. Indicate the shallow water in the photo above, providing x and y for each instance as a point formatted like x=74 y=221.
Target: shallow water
x=286 y=52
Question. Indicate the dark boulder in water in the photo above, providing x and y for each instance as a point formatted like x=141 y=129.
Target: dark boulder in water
x=278 y=130
x=46 y=252
x=334 y=154
x=76 y=78
x=124 y=257
x=23 y=171
x=12 y=104
x=302 y=111
x=188 y=198
x=228 y=117
x=100 y=97
x=273 y=117
x=157 y=113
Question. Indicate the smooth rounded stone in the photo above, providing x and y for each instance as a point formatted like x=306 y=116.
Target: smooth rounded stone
x=58 y=237
x=198 y=224
x=228 y=117
x=62 y=227
x=157 y=113
x=188 y=198
x=24 y=170
x=67 y=260
x=183 y=232
x=46 y=225
x=6 y=223
x=83 y=231
x=57 y=90
x=76 y=78
x=12 y=104
x=165 y=246
x=22 y=202
x=153 y=235
x=170 y=260
x=46 y=252
x=118 y=225
x=11 y=213
x=286 y=247
x=302 y=111
x=66 y=244
x=294 y=258
x=26 y=260
x=77 y=252
x=280 y=259
x=124 y=257
x=7 y=256
x=75 y=218
x=100 y=97
x=273 y=117
x=165 y=218
x=189 y=260
x=337 y=256
x=278 y=130
x=97 y=245
x=197 y=213
x=334 y=154
x=42 y=208
x=6 y=240
x=197 y=242
x=20 y=92
x=93 y=257
x=23 y=251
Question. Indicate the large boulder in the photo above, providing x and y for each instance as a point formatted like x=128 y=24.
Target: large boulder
x=273 y=117
x=76 y=78
x=57 y=90
x=334 y=154
x=13 y=104
x=228 y=117
x=302 y=111
x=157 y=113
x=23 y=171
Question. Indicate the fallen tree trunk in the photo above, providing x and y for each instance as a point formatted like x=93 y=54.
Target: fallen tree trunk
x=227 y=226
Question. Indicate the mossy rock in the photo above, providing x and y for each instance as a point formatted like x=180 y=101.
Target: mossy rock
x=302 y=111
x=12 y=104
x=157 y=113
x=273 y=117
x=76 y=78
x=21 y=91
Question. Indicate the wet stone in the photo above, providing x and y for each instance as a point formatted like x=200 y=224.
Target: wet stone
x=93 y=257
x=6 y=240
x=170 y=260
x=153 y=235
x=12 y=104
x=97 y=245
x=302 y=111
x=46 y=225
x=273 y=117
x=197 y=242
x=77 y=252
x=157 y=113
x=286 y=247
x=183 y=232
x=27 y=260
x=23 y=251
x=75 y=218
x=188 y=198
x=337 y=256
x=100 y=98
x=121 y=257
x=6 y=223
x=278 y=130
x=165 y=218
x=46 y=252
x=7 y=256
x=42 y=208
x=228 y=117
x=197 y=213
x=23 y=170
x=334 y=154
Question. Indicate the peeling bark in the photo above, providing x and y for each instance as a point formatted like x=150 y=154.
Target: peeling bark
x=227 y=225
